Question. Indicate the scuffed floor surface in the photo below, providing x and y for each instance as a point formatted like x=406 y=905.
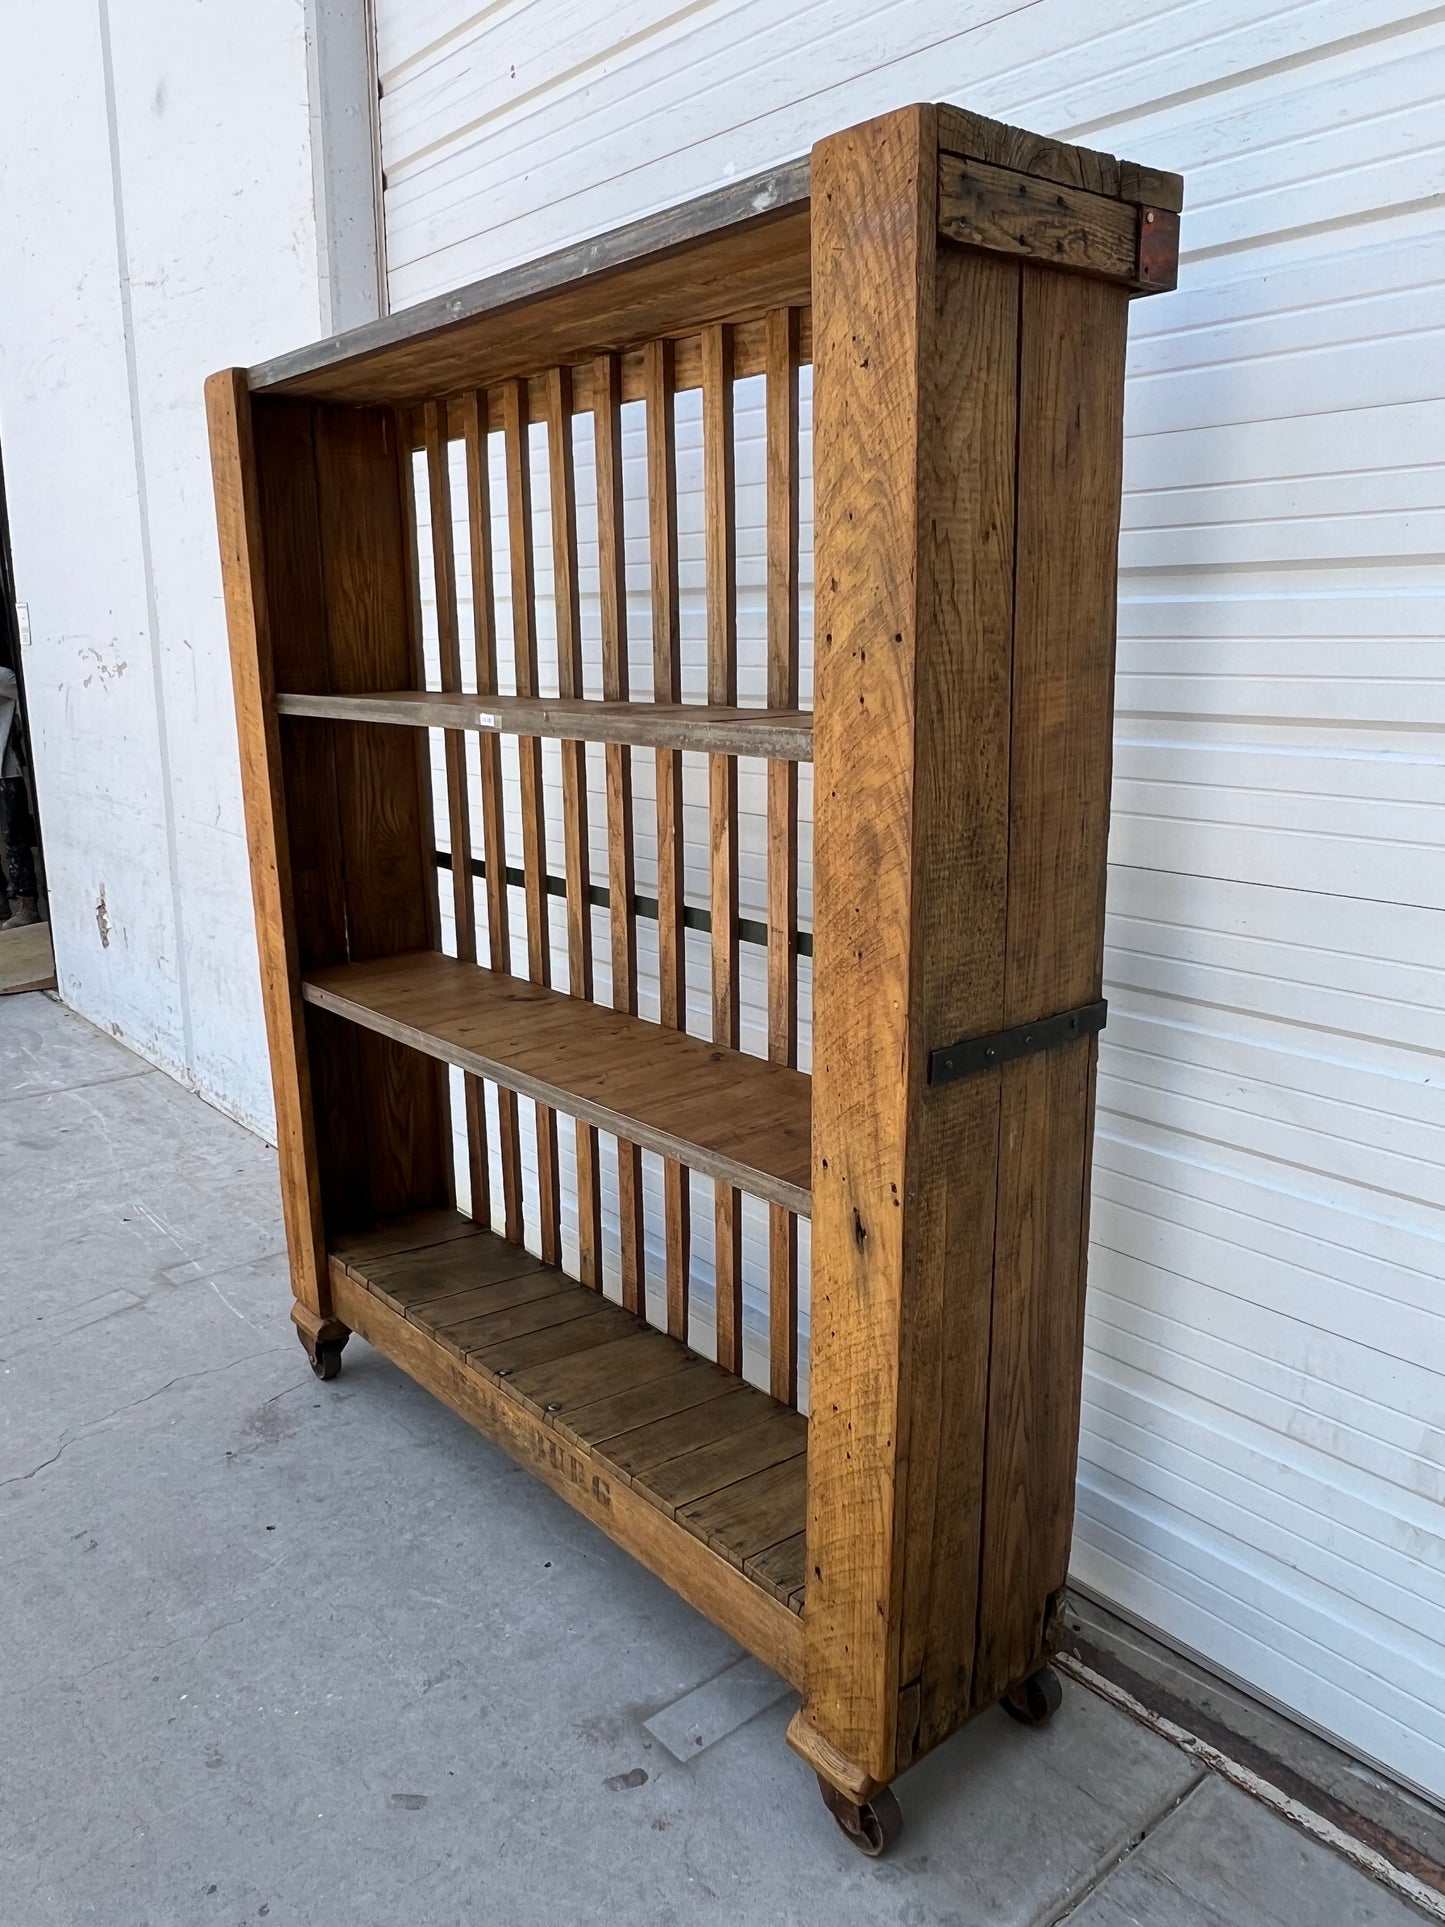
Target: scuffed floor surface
x=319 y=1656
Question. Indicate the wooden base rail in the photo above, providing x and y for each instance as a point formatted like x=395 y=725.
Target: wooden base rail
x=962 y=290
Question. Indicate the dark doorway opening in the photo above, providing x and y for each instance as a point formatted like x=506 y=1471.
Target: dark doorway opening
x=26 y=961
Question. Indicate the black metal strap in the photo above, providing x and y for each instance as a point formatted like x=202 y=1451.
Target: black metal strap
x=971 y=1054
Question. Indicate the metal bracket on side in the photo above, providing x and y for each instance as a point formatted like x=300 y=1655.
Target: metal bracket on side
x=972 y=1054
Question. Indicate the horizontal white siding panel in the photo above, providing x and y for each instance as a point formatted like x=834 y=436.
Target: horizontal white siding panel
x=1263 y=1460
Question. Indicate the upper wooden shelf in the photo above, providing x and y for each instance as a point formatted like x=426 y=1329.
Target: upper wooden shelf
x=781 y=735
x=721 y=1112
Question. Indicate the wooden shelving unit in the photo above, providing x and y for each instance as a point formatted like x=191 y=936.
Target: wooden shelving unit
x=961 y=289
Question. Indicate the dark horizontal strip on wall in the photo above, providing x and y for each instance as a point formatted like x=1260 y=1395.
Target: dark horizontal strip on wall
x=749 y=931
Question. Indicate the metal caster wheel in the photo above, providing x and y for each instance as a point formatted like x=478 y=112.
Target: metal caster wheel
x=326 y=1360
x=1035 y=1700
x=872 y=1827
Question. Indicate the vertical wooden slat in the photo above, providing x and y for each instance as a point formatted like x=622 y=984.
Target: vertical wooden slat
x=658 y=385
x=612 y=567
x=722 y=687
x=529 y=751
x=574 y=787
x=782 y=434
x=494 y=841
x=439 y=488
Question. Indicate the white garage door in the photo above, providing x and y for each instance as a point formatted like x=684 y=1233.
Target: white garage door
x=1264 y=1424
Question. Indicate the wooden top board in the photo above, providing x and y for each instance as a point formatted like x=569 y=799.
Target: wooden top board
x=728 y=255
x=721 y=1112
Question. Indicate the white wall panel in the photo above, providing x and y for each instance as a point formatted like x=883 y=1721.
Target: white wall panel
x=1263 y=1459
x=157 y=221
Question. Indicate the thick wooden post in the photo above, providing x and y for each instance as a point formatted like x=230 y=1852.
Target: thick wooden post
x=238 y=520
x=968 y=412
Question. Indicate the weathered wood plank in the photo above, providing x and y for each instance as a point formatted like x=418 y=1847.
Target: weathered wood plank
x=1007 y=212
x=733 y=1115
x=1071 y=397
x=782 y=735
x=657 y=276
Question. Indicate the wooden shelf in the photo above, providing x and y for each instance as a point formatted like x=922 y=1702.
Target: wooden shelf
x=703 y=1476
x=720 y=1112
x=780 y=735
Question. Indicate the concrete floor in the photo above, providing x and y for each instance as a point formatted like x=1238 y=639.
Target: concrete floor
x=309 y=1654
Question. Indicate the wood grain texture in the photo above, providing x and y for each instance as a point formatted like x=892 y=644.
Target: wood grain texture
x=782 y=641
x=576 y=861
x=1008 y=212
x=1071 y=375
x=494 y=842
x=720 y=542
x=914 y=456
x=529 y=755
x=243 y=566
x=665 y=275
x=724 y=1112
x=667 y=687
x=703 y=1576
x=612 y=583
x=783 y=735
x=444 y=574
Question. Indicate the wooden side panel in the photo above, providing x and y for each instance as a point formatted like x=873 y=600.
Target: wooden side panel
x=381 y=808
x=248 y=620
x=1071 y=397
x=960 y=902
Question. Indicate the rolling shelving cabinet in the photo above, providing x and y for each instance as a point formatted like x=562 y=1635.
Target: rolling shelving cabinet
x=961 y=289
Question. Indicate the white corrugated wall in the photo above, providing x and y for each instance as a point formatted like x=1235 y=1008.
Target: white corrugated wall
x=1264 y=1424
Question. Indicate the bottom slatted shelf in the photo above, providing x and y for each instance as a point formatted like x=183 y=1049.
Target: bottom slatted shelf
x=701 y=1476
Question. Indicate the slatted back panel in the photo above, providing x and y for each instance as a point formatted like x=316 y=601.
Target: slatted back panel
x=579 y=535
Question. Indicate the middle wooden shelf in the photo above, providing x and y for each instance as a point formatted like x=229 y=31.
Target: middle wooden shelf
x=721 y=1112
x=778 y=735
